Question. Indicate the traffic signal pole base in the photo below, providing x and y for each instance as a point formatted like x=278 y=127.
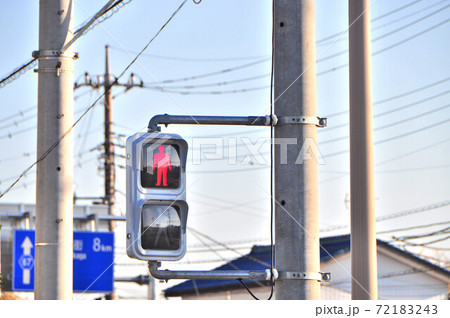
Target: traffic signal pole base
x=234 y=274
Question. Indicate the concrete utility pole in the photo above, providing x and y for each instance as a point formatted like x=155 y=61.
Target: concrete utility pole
x=296 y=185
x=54 y=205
x=362 y=192
x=109 y=143
x=110 y=175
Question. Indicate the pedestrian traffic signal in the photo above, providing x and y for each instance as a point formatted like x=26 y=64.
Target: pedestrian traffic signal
x=156 y=196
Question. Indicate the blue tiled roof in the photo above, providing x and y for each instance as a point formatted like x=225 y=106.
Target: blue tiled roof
x=257 y=259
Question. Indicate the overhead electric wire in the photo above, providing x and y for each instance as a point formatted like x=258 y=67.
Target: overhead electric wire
x=408 y=15
x=26 y=154
x=254 y=259
x=195 y=77
x=373 y=20
x=411 y=37
x=374 y=28
x=422 y=244
x=392 y=110
x=46 y=153
x=397 y=96
x=386 y=34
x=20 y=113
x=387 y=48
x=16 y=73
x=17 y=122
x=19 y=132
x=409 y=228
x=394 y=123
x=185 y=59
x=247 y=79
x=413 y=152
x=396 y=214
x=234 y=91
x=419 y=236
x=394 y=137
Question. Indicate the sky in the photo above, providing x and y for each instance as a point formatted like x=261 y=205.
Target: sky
x=227 y=202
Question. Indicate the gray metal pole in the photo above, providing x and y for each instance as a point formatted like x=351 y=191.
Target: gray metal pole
x=151 y=288
x=109 y=144
x=54 y=193
x=296 y=186
x=362 y=193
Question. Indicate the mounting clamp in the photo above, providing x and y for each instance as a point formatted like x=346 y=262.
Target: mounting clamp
x=320 y=277
x=54 y=53
x=302 y=120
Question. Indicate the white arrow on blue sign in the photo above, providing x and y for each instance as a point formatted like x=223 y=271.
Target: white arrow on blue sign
x=93 y=258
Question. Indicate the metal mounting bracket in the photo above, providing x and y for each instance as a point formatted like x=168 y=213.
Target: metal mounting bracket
x=302 y=120
x=54 y=53
x=320 y=277
x=153 y=267
x=154 y=270
x=57 y=70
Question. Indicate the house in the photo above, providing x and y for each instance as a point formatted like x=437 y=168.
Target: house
x=401 y=275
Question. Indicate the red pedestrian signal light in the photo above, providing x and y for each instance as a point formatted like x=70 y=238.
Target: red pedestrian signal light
x=156 y=196
x=160 y=166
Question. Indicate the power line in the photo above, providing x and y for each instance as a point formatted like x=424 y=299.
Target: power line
x=411 y=37
x=394 y=123
x=387 y=48
x=247 y=79
x=234 y=91
x=414 y=151
x=395 y=11
x=391 y=110
x=409 y=15
x=185 y=59
x=396 y=214
x=16 y=73
x=17 y=122
x=20 y=113
x=394 y=137
x=422 y=244
x=387 y=34
x=373 y=20
x=195 y=77
x=45 y=154
x=413 y=227
x=421 y=10
x=26 y=154
x=228 y=248
x=417 y=236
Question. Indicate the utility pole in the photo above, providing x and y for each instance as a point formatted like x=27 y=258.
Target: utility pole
x=54 y=205
x=110 y=175
x=109 y=144
x=296 y=185
x=362 y=191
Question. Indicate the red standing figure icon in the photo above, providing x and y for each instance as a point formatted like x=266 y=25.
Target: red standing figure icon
x=161 y=161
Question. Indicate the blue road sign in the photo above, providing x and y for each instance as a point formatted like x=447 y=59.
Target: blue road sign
x=23 y=258
x=93 y=258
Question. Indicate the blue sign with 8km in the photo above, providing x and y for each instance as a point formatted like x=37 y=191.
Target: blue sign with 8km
x=93 y=259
